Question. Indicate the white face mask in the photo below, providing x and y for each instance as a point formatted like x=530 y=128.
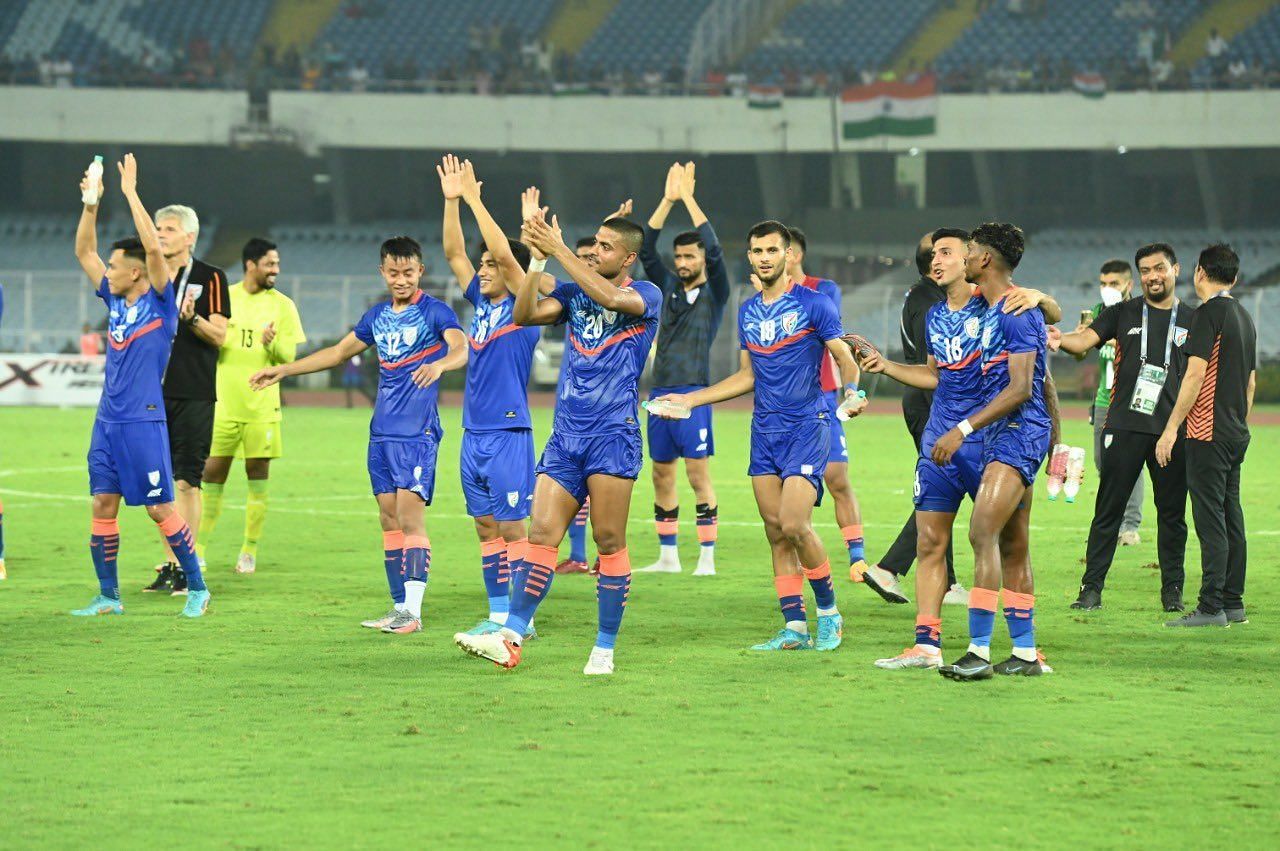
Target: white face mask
x=1110 y=296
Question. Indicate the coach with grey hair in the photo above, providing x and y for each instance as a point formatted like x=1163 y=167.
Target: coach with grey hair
x=204 y=306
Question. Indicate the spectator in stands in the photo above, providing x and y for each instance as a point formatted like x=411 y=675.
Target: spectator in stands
x=1215 y=47
x=1147 y=45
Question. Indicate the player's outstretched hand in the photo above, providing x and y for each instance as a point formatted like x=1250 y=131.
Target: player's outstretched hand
x=1021 y=299
x=268 y=333
x=426 y=375
x=624 y=210
x=470 y=186
x=264 y=378
x=687 y=182
x=450 y=171
x=128 y=175
x=864 y=352
x=544 y=238
x=671 y=190
x=1054 y=336
x=674 y=399
x=84 y=187
x=530 y=202
x=947 y=446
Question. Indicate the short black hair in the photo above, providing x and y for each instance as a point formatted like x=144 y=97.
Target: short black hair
x=689 y=237
x=924 y=256
x=401 y=247
x=132 y=248
x=1004 y=239
x=798 y=238
x=768 y=226
x=950 y=233
x=1116 y=266
x=632 y=234
x=1220 y=263
x=255 y=249
x=1155 y=248
x=521 y=252
x=585 y=242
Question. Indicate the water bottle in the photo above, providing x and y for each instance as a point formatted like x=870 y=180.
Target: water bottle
x=90 y=194
x=1057 y=469
x=842 y=412
x=1075 y=473
x=670 y=410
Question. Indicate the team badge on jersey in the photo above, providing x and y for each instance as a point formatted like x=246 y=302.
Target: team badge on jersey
x=972 y=326
x=789 y=322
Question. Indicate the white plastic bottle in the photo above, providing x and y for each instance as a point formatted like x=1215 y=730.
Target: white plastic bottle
x=90 y=194
x=1075 y=473
x=1057 y=470
x=659 y=408
x=843 y=412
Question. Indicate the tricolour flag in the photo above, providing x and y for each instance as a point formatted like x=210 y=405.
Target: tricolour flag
x=764 y=97
x=889 y=109
x=1090 y=85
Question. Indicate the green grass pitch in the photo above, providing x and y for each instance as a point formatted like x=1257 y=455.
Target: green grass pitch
x=277 y=722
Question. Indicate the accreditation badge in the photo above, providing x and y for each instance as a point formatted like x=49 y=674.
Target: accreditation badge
x=1146 y=391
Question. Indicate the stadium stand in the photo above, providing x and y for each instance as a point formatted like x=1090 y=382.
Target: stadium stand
x=828 y=35
x=643 y=35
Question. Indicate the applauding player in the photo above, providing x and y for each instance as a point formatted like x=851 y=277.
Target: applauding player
x=417 y=338
x=595 y=447
x=129 y=450
x=784 y=331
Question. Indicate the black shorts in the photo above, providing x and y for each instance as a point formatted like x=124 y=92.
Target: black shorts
x=190 y=435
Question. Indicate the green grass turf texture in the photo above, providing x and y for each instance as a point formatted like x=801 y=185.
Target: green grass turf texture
x=277 y=721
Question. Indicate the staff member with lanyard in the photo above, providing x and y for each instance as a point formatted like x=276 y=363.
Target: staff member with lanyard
x=204 y=306
x=1149 y=365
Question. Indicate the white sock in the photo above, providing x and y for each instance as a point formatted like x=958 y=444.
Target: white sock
x=498 y=617
x=607 y=651
x=668 y=553
x=1026 y=654
x=983 y=652
x=399 y=607
x=706 y=555
x=831 y=611
x=511 y=635
x=413 y=591
x=930 y=649
x=798 y=626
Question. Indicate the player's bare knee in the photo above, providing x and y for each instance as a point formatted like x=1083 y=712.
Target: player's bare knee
x=795 y=529
x=160 y=513
x=511 y=530
x=254 y=468
x=608 y=541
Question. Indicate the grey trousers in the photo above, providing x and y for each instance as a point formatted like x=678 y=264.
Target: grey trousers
x=1133 y=508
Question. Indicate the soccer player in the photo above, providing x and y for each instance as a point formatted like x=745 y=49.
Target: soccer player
x=693 y=303
x=595 y=446
x=577 y=560
x=784 y=331
x=497 y=457
x=836 y=477
x=1016 y=426
x=952 y=376
x=264 y=330
x=129 y=450
x=417 y=339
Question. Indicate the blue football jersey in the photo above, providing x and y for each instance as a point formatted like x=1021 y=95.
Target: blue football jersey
x=606 y=352
x=1005 y=334
x=786 y=342
x=139 y=337
x=954 y=338
x=404 y=342
x=498 y=372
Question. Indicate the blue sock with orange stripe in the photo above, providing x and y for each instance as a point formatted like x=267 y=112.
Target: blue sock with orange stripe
x=104 y=547
x=929 y=632
x=178 y=534
x=613 y=584
x=708 y=524
x=790 y=590
x=982 y=620
x=1019 y=614
x=494 y=568
x=417 y=569
x=393 y=563
x=578 y=533
x=854 y=542
x=824 y=592
x=530 y=585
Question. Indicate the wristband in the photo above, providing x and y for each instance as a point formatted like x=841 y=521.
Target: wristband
x=536 y=265
x=965 y=428
x=851 y=388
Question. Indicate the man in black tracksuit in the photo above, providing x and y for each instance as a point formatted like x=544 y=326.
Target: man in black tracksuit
x=1150 y=334
x=1216 y=397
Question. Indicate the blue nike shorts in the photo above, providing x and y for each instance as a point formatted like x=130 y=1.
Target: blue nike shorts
x=131 y=459
x=1021 y=445
x=800 y=452
x=944 y=488
x=571 y=459
x=497 y=473
x=403 y=465
x=672 y=439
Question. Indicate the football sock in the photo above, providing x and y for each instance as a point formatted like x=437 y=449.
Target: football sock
x=790 y=590
x=667 y=522
x=255 y=516
x=530 y=586
x=853 y=540
x=613 y=584
x=929 y=633
x=982 y=620
x=393 y=562
x=417 y=567
x=578 y=533
x=1019 y=614
x=493 y=558
x=178 y=534
x=824 y=592
x=210 y=511
x=104 y=547
x=708 y=525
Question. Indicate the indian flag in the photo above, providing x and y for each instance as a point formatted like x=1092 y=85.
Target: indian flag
x=764 y=97
x=889 y=109
x=1090 y=85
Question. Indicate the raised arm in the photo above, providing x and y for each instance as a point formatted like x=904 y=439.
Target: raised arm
x=530 y=201
x=455 y=248
x=549 y=241
x=650 y=258
x=921 y=376
x=157 y=270
x=1077 y=342
x=494 y=239
x=327 y=358
x=87 y=237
